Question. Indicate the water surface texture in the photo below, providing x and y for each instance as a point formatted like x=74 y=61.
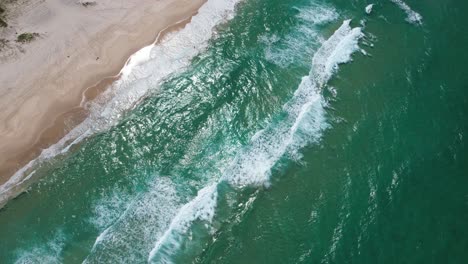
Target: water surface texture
x=301 y=131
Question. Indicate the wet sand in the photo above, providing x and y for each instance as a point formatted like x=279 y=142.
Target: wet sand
x=79 y=53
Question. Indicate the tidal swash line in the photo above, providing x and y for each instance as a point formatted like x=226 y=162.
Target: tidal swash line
x=141 y=76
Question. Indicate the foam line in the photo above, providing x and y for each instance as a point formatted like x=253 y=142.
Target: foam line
x=369 y=9
x=305 y=118
x=201 y=208
x=138 y=219
x=304 y=122
x=143 y=73
x=411 y=15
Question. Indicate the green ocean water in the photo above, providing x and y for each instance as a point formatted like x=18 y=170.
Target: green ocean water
x=254 y=154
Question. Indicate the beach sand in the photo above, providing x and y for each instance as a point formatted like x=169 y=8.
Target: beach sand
x=79 y=52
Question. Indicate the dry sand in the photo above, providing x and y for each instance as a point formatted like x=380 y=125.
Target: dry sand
x=79 y=49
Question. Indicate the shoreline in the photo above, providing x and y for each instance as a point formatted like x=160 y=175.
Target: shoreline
x=62 y=118
x=64 y=122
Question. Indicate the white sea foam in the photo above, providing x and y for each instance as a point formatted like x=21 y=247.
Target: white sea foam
x=411 y=15
x=305 y=119
x=369 y=8
x=305 y=114
x=290 y=49
x=133 y=223
x=143 y=73
x=48 y=252
x=201 y=208
x=304 y=122
x=317 y=14
x=109 y=208
x=336 y=50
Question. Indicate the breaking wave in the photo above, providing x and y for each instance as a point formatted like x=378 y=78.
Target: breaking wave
x=411 y=15
x=142 y=74
x=303 y=123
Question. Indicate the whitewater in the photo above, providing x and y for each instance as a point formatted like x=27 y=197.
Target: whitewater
x=294 y=132
x=303 y=125
x=141 y=75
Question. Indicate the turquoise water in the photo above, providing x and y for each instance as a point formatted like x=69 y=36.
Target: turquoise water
x=292 y=137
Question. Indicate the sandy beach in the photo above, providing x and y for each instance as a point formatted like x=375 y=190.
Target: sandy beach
x=79 y=50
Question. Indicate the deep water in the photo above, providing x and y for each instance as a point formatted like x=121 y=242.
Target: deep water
x=292 y=138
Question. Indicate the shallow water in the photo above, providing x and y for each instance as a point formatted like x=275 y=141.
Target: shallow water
x=292 y=137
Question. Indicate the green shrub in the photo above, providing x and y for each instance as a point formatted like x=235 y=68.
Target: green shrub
x=27 y=37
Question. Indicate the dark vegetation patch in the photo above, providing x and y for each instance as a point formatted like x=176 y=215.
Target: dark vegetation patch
x=3 y=23
x=27 y=37
x=88 y=3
